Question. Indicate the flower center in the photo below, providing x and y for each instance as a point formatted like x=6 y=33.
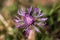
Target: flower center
x=28 y=19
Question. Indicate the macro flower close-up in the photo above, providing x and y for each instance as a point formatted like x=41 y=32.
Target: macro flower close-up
x=31 y=17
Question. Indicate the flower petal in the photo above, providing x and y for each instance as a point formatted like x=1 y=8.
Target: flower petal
x=36 y=29
x=29 y=9
x=20 y=24
x=21 y=12
x=36 y=10
x=40 y=24
x=27 y=31
x=16 y=20
x=39 y=15
x=43 y=19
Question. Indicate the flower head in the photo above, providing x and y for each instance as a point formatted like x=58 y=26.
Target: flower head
x=30 y=17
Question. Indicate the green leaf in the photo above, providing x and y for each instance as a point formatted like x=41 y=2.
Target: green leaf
x=54 y=8
x=12 y=7
x=51 y=21
x=58 y=18
x=48 y=38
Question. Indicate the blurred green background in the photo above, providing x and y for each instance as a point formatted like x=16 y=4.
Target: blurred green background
x=9 y=8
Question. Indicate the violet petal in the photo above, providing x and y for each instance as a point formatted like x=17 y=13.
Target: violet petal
x=36 y=10
x=16 y=20
x=27 y=31
x=36 y=29
x=20 y=24
x=21 y=12
x=29 y=9
x=43 y=19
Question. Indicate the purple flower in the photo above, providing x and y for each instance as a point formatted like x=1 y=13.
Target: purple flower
x=30 y=19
